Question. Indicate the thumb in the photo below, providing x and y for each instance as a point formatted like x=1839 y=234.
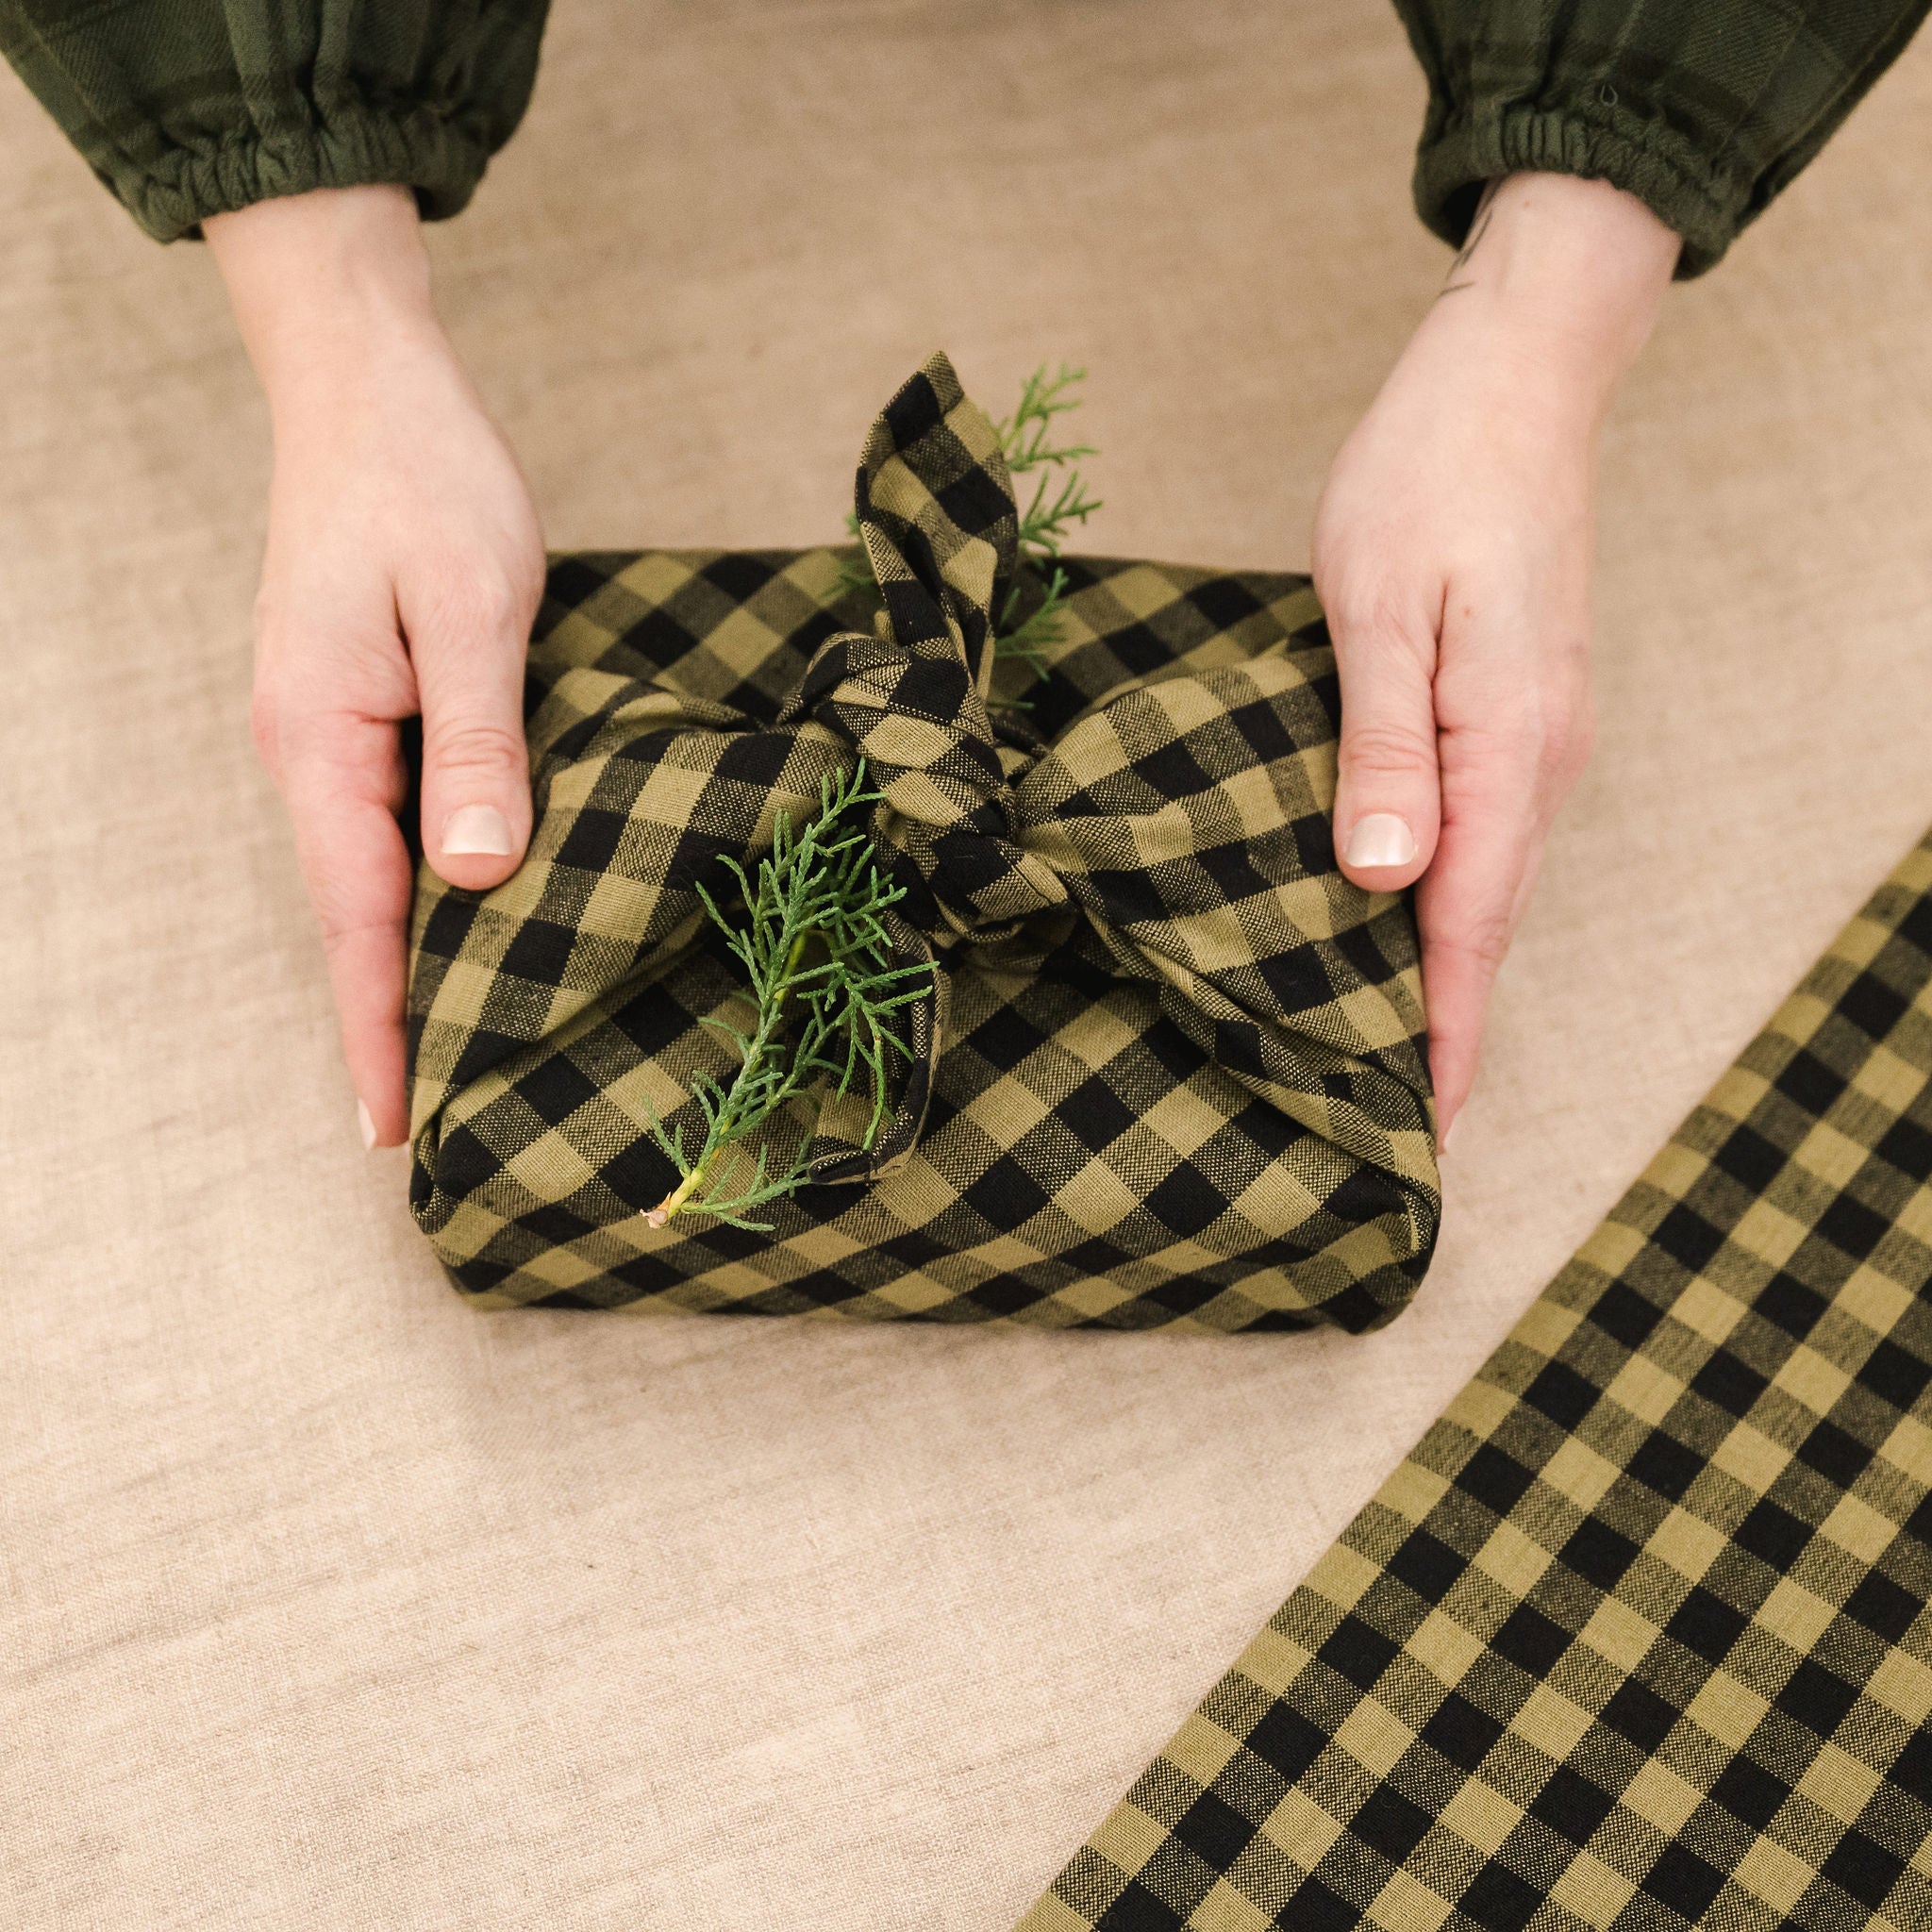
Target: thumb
x=1388 y=793
x=468 y=651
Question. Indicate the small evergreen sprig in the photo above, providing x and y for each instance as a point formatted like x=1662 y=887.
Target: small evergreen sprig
x=814 y=946
x=1027 y=440
x=1045 y=524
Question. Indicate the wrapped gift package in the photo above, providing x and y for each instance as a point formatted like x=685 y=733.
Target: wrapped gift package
x=1161 y=1065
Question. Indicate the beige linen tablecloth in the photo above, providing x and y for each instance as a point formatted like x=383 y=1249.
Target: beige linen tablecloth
x=328 y=1601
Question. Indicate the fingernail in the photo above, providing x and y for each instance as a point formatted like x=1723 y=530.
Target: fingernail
x=1447 y=1135
x=1381 y=838
x=366 y=1121
x=476 y=828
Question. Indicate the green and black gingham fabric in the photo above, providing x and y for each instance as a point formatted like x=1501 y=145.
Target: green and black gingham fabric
x=1174 y=1068
x=1638 y=1636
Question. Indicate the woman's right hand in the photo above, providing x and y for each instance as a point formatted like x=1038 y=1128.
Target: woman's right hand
x=402 y=573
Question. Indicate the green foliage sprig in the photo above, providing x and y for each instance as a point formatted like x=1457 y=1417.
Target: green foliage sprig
x=1024 y=436
x=814 y=947
x=1027 y=441
x=1045 y=524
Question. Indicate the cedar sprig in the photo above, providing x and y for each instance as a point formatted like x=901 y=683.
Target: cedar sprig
x=1047 y=520
x=815 y=950
x=1025 y=436
x=1031 y=638
x=1027 y=441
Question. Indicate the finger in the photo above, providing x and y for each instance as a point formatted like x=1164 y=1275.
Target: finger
x=1469 y=902
x=1387 y=797
x=468 y=635
x=343 y=779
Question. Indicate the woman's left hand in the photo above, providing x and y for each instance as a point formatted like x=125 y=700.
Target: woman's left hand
x=1452 y=553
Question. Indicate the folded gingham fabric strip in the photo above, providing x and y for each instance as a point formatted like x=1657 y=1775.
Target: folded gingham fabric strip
x=1638 y=1636
x=1171 y=1070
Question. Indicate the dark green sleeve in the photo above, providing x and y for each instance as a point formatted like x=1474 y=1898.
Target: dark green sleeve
x=187 y=107
x=1704 y=109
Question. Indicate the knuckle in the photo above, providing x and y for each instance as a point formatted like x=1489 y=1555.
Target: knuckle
x=1371 y=613
x=357 y=897
x=1561 y=761
x=339 y=927
x=475 y=747
x=480 y=595
x=1515 y=739
x=1569 y=744
x=492 y=596
x=267 y=710
x=1388 y=747
x=269 y=612
x=1485 y=938
x=1559 y=734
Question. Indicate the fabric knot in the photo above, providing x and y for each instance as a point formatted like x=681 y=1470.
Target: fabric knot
x=937 y=515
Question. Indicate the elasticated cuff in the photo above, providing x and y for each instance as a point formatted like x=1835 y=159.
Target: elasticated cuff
x=422 y=150
x=1598 y=142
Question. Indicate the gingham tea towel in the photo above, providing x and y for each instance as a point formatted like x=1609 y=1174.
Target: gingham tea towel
x=1636 y=1638
x=1172 y=1069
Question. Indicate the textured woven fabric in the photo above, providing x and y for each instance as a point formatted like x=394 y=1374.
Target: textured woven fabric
x=1705 y=110
x=1172 y=1069
x=189 y=108
x=1636 y=1637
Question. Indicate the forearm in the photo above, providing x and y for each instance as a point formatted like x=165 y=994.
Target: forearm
x=1558 y=283
x=323 y=282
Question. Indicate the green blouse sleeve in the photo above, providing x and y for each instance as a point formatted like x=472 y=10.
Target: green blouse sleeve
x=1704 y=109
x=187 y=107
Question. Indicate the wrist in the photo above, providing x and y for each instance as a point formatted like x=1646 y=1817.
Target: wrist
x=1560 y=282
x=323 y=285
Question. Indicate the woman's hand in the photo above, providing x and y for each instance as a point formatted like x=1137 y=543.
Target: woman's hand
x=402 y=569
x=1452 y=551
